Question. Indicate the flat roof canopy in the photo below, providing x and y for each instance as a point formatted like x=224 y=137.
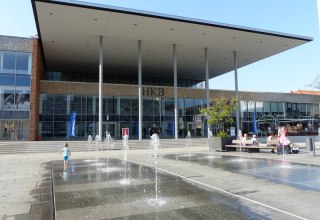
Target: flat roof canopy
x=69 y=37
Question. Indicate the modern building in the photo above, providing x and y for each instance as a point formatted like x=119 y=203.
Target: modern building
x=15 y=71
x=146 y=72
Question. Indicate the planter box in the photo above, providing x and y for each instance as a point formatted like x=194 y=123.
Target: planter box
x=219 y=143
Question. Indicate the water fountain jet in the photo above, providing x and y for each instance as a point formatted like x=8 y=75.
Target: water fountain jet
x=109 y=141
x=154 y=146
x=125 y=145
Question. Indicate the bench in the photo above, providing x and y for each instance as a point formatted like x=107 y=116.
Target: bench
x=236 y=145
x=294 y=147
x=272 y=143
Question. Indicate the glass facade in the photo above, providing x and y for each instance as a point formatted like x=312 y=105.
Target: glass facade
x=121 y=79
x=118 y=113
x=298 y=118
x=158 y=116
x=15 y=69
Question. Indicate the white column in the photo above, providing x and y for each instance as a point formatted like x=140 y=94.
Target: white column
x=95 y=127
x=207 y=84
x=140 y=88
x=236 y=88
x=175 y=92
x=100 y=85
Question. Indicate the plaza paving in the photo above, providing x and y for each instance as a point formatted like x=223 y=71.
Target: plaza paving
x=191 y=185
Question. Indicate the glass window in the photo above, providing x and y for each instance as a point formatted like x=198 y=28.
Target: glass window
x=54 y=76
x=309 y=110
x=125 y=106
x=8 y=62
x=60 y=104
x=266 y=108
x=259 y=108
x=244 y=110
x=75 y=104
x=274 y=108
x=60 y=129
x=46 y=129
x=181 y=107
x=251 y=106
x=8 y=102
x=22 y=100
x=110 y=108
x=302 y=109
x=169 y=107
x=84 y=105
x=189 y=106
x=96 y=100
x=23 y=81
x=243 y=106
x=289 y=109
x=7 y=80
x=47 y=104
x=280 y=108
x=251 y=109
x=23 y=61
x=198 y=105
x=316 y=110
x=147 y=107
x=156 y=106
x=295 y=110
x=90 y=105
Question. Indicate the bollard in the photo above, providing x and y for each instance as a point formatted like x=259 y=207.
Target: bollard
x=309 y=144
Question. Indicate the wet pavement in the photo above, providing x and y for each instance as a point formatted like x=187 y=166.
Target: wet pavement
x=117 y=189
x=302 y=176
x=259 y=186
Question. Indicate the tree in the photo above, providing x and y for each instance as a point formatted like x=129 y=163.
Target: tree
x=220 y=112
x=316 y=83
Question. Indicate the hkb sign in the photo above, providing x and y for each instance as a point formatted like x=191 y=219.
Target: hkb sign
x=149 y=91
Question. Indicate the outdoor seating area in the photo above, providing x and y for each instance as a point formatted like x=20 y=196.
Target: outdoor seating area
x=280 y=143
x=248 y=146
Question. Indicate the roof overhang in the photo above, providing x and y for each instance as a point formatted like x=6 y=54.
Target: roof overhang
x=69 y=37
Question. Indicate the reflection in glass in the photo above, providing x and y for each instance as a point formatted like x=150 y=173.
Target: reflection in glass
x=23 y=60
x=60 y=104
x=169 y=107
x=125 y=106
x=147 y=107
x=8 y=62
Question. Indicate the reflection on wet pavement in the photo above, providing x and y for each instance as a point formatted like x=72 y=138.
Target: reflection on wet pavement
x=92 y=189
x=305 y=177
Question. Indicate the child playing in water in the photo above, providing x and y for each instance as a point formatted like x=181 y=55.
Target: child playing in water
x=66 y=153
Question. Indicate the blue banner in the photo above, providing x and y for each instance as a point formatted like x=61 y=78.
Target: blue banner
x=255 y=129
x=72 y=124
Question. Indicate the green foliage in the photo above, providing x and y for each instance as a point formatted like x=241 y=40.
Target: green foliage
x=220 y=112
x=222 y=134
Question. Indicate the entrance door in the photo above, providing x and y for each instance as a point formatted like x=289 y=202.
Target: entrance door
x=111 y=127
x=196 y=129
x=191 y=128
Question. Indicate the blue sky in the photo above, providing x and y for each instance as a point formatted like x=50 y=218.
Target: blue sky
x=285 y=72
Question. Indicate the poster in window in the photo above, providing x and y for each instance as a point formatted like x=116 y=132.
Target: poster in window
x=22 y=101
x=15 y=101
x=8 y=100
